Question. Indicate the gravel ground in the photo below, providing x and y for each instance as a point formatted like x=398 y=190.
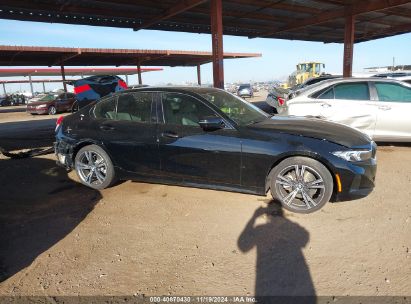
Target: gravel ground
x=60 y=238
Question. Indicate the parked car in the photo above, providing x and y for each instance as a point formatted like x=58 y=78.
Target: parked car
x=4 y=101
x=376 y=106
x=206 y=137
x=277 y=96
x=245 y=90
x=52 y=104
x=37 y=97
x=93 y=88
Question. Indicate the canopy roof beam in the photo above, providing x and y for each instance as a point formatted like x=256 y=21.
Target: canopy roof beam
x=182 y=6
x=359 y=8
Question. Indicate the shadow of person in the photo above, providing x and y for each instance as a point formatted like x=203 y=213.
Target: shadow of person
x=39 y=205
x=281 y=269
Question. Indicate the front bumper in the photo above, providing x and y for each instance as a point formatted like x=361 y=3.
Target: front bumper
x=33 y=110
x=357 y=180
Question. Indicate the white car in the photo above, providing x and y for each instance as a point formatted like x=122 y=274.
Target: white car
x=378 y=107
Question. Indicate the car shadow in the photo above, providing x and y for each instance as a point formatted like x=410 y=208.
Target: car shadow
x=13 y=109
x=39 y=206
x=281 y=269
x=393 y=144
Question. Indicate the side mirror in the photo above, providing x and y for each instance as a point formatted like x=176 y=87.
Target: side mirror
x=211 y=123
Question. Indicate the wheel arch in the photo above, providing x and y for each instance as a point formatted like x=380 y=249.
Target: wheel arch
x=307 y=154
x=86 y=142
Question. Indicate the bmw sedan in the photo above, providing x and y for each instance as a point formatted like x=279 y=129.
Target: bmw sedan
x=378 y=107
x=209 y=138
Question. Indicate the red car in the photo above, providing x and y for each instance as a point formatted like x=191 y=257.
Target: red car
x=52 y=104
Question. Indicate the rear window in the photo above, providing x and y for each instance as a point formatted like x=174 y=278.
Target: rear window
x=47 y=98
x=393 y=92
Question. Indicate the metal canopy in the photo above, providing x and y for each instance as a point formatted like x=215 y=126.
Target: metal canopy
x=49 y=56
x=70 y=71
x=311 y=20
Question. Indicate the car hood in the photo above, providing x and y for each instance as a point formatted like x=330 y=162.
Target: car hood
x=316 y=128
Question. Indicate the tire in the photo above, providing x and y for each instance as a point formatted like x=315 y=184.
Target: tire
x=301 y=184
x=52 y=110
x=94 y=167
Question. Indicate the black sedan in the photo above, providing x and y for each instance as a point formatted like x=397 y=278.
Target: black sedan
x=209 y=138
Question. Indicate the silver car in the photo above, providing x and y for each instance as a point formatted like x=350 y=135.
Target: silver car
x=378 y=107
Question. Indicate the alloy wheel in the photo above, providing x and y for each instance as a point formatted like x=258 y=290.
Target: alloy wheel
x=52 y=110
x=300 y=187
x=92 y=168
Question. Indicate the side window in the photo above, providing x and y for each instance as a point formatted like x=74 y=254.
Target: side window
x=328 y=94
x=393 y=92
x=356 y=91
x=105 y=109
x=180 y=109
x=135 y=107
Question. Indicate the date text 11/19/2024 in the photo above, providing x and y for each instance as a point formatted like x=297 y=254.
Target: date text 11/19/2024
x=202 y=299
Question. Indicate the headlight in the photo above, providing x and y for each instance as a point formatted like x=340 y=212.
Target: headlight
x=354 y=155
x=41 y=106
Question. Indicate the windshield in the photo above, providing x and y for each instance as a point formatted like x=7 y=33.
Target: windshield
x=244 y=86
x=47 y=98
x=237 y=109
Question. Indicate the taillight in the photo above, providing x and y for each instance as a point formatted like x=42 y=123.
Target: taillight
x=122 y=84
x=281 y=101
x=81 y=89
x=58 y=122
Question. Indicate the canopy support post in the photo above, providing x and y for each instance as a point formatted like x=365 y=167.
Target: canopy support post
x=217 y=42
x=140 y=80
x=199 y=74
x=31 y=86
x=63 y=76
x=348 y=45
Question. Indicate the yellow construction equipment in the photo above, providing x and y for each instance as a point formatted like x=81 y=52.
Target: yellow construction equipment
x=305 y=71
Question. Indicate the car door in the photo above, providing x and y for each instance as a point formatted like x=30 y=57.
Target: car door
x=350 y=104
x=394 y=108
x=70 y=98
x=190 y=154
x=127 y=128
x=61 y=102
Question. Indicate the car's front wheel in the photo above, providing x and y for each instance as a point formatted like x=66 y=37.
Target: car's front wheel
x=94 y=167
x=301 y=184
x=52 y=110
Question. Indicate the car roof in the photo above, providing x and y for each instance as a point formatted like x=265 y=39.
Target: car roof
x=174 y=89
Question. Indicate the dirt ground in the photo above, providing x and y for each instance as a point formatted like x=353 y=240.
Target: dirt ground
x=58 y=237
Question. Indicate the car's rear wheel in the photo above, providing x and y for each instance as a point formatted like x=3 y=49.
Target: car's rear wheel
x=52 y=110
x=94 y=167
x=301 y=184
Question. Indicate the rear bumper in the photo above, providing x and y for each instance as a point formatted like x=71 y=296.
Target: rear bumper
x=64 y=154
x=271 y=101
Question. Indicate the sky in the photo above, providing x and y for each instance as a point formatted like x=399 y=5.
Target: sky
x=278 y=60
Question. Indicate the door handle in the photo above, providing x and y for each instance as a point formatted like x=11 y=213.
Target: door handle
x=384 y=108
x=169 y=135
x=325 y=105
x=107 y=127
